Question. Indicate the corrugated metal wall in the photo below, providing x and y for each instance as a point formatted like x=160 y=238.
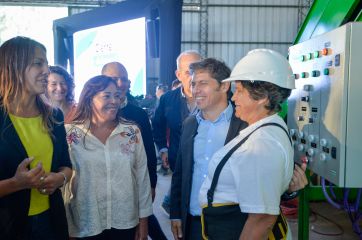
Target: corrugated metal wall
x=236 y=26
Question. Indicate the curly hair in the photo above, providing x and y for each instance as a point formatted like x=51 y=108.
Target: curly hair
x=275 y=94
x=69 y=81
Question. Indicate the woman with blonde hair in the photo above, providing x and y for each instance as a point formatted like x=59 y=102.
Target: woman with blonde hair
x=34 y=158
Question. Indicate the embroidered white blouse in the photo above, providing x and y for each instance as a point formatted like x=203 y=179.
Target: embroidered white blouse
x=110 y=187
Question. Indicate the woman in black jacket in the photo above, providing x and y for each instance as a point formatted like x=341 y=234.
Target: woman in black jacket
x=34 y=159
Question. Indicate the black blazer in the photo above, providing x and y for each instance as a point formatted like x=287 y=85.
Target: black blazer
x=140 y=117
x=182 y=176
x=170 y=113
x=14 y=207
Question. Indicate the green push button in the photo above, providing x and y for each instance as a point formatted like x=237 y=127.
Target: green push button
x=309 y=56
x=316 y=54
x=326 y=71
x=302 y=58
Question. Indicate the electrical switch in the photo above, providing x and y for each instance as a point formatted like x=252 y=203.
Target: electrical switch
x=326 y=71
x=323 y=142
x=304 y=99
x=323 y=157
x=310 y=152
x=316 y=54
x=325 y=51
x=315 y=73
x=300 y=147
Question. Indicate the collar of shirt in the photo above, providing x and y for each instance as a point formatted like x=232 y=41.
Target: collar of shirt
x=85 y=127
x=191 y=105
x=182 y=92
x=224 y=115
x=124 y=103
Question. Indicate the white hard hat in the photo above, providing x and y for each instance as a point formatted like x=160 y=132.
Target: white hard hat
x=264 y=65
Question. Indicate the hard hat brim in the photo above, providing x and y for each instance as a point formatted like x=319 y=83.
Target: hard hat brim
x=258 y=77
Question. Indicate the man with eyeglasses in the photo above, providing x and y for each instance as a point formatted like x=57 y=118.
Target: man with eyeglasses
x=132 y=112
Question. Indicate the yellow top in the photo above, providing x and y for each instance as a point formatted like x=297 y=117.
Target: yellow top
x=39 y=145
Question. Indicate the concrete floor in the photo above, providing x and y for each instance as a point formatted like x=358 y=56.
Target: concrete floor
x=316 y=223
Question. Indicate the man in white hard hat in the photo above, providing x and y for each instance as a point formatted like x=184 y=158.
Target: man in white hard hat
x=258 y=163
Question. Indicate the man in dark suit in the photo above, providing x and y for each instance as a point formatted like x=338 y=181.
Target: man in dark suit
x=173 y=108
x=202 y=135
x=136 y=114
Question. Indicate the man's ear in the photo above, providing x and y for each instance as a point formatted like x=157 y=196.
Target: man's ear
x=177 y=73
x=225 y=86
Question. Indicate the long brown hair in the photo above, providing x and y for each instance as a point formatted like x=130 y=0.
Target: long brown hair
x=16 y=54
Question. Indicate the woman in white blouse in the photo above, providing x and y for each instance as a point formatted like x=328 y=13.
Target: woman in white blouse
x=257 y=165
x=109 y=196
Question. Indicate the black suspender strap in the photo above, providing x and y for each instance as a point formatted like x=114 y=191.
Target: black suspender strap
x=215 y=179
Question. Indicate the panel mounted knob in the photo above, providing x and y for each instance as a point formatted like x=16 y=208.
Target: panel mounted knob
x=323 y=142
x=310 y=152
x=300 y=134
x=300 y=147
x=323 y=157
x=311 y=138
x=292 y=132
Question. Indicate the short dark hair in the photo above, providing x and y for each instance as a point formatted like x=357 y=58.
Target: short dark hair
x=69 y=81
x=217 y=69
x=275 y=94
x=163 y=87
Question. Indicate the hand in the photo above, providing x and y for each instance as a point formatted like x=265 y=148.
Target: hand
x=299 y=179
x=153 y=194
x=176 y=228
x=51 y=182
x=142 y=229
x=26 y=178
x=164 y=158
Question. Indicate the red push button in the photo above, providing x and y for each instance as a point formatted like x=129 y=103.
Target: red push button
x=325 y=51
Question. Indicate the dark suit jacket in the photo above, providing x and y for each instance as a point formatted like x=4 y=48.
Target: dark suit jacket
x=170 y=113
x=14 y=207
x=140 y=117
x=182 y=176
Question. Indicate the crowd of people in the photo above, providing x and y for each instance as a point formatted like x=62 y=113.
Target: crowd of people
x=87 y=170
